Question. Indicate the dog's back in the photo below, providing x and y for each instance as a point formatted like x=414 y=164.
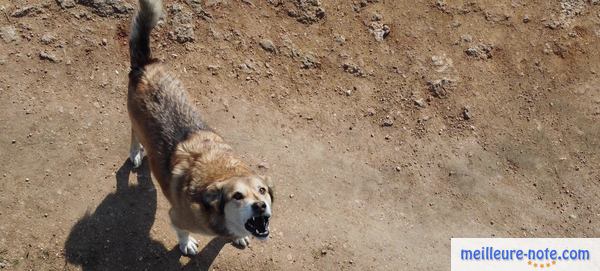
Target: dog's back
x=158 y=105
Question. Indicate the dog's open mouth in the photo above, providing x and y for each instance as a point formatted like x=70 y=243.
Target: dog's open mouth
x=258 y=226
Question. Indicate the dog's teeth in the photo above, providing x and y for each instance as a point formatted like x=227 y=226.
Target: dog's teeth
x=257 y=232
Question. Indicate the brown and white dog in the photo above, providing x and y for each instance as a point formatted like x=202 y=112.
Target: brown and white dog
x=210 y=190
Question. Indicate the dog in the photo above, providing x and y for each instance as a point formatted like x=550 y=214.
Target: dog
x=210 y=190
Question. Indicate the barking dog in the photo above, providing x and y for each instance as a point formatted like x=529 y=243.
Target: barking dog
x=210 y=190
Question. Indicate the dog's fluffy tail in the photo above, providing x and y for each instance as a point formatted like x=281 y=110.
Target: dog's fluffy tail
x=139 y=39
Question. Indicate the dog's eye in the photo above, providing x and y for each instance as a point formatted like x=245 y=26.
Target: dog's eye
x=238 y=196
x=262 y=190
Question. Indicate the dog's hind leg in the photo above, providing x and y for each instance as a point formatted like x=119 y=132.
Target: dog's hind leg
x=136 y=151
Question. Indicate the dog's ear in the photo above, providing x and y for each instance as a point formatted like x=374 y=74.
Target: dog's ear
x=269 y=184
x=211 y=197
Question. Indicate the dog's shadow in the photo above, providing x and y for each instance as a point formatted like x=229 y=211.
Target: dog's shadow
x=116 y=236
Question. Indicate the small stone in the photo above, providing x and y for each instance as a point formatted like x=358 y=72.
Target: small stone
x=184 y=33
x=371 y=111
x=466 y=114
x=398 y=168
x=491 y=222
x=263 y=165
x=108 y=8
x=24 y=11
x=376 y=17
x=323 y=252
x=388 y=121
x=8 y=34
x=66 y=3
x=340 y=39
x=26 y=179
x=420 y=102
x=387 y=137
x=47 y=39
x=482 y=51
x=466 y=38
x=309 y=61
x=526 y=18
x=573 y=216
x=348 y=92
x=380 y=31
x=45 y=215
x=104 y=42
x=268 y=45
x=291 y=196
x=48 y=56
x=14 y=141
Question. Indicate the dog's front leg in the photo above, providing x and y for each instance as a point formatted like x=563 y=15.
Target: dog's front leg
x=136 y=151
x=187 y=244
x=242 y=242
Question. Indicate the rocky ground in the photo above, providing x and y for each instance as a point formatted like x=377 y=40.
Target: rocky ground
x=389 y=127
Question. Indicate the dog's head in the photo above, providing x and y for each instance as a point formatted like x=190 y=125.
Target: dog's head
x=245 y=202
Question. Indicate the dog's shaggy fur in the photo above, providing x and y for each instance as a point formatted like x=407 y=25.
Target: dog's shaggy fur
x=209 y=189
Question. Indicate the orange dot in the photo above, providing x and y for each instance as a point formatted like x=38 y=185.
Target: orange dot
x=529 y=262
x=548 y=265
x=535 y=265
x=541 y=265
x=553 y=262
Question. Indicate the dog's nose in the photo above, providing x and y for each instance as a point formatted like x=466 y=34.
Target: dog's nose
x=259 y=207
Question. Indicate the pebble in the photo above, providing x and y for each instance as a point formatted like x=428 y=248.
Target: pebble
x=48 y=56
x=14 y=141
x=291 y=196
x=47 y=39
x=8 y=33
x=371 y=111
x=526 y=18
x=388 y=121
x=108 y=8
x=467 y=114
x=183 y=33
x=66 y=3
x=26 y=179
x=268 y=45
x=398 y=168
x=420 y=102
x=24 y=11
x=104 y=42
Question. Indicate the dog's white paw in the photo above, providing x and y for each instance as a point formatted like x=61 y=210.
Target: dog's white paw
x=136 y=157
x=189 y=247
x=242 y=242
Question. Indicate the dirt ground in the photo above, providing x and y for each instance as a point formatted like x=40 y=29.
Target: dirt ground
x=388 y=126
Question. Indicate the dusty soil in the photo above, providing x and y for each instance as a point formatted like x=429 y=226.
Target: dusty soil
x=388 y=126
